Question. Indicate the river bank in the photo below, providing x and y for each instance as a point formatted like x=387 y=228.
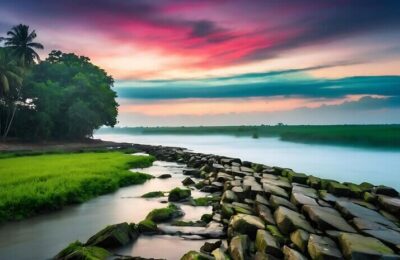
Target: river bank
x=271 y=212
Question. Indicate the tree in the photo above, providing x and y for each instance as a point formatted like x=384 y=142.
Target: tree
x=20 y=41
x=11 y=76
x=70 y=96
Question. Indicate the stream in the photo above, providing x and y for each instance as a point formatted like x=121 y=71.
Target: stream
x=43 y=236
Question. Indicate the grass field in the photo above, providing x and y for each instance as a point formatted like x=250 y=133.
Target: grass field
x=385 y=136
x=34 y=184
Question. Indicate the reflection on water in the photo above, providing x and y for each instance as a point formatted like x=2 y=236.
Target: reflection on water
x=326 y=161
x=43 y=236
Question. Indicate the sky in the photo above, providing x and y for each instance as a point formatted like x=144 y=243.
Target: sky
x=236 y=62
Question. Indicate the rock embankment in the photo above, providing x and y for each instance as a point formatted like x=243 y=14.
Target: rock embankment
x=276 y=213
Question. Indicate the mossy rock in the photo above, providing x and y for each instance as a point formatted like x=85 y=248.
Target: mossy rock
x=165 y=214
x=276 y=234
x=314 y=182
x=205 y=201
x=369 y=197
x=153 y=194
x=77 y=251
x=147 y=226
x=257 y=167
x=355 y=190
x=206 y=218
x=113 y=236
x=227 y=210
x=181 y=223
x=366 y=186
x=179 y=194
x=194 y=255
x=199 y=185
x=338 y=189
x=246 y=224
x=297 y=177
x=325 y=183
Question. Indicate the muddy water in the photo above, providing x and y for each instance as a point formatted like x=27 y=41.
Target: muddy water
x=43 y=236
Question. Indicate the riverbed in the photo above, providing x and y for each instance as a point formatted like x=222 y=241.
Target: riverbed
x=342 y=163
x=43 y=236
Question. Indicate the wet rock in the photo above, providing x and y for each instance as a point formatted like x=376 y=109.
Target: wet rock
x=323 y=248
x=209 y=247
x=246 y=224
x=305 y=190
x=327 y=218
x=216 y=186
x=391 y=204
x=300 y=239
x=153 y=194
x=148 y=227
x=291 y=254
x=266 y=243
x=300 y=199
x=351 y=210
x=219 y=254
x=289 y=220
x=77 y=251
x=165 y=214
x=338 y=189
x=212 y=230
x=164 y=176
x=297 y=177
x=113 y=236
x=194 y=255
x=262 y=200
x=355 y=190
x=386 y=235
x=238 y=247
x=192 y=172
x=178 y=194
x=188 y=181
x=323 y=194
x=265 y=214
x=364 y=204
x=388 y=191
x=276 y=201
x=356 y=246
x=229 y=196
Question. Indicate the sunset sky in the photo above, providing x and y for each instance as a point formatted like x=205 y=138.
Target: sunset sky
x=220 y=62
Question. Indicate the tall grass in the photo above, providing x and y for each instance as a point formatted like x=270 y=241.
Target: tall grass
x=34 y=184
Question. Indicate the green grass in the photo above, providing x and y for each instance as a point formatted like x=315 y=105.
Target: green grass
x=380 y=136
x=30 y=185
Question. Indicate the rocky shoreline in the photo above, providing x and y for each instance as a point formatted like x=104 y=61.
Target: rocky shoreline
x=265 y=212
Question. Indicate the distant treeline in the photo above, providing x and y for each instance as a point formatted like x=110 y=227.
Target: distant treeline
x=360 y=135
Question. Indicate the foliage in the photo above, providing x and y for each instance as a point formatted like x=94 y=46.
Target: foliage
x=33 y=184
x=70 y=98
x=21 y=44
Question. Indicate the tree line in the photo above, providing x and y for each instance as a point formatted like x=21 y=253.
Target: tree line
x=64 y=96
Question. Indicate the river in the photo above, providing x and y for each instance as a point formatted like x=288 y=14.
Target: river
x=342 y=163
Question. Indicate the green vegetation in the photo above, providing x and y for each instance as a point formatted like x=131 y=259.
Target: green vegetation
x=62 y=97
x=361 y=135
x=33 y=184
x=77 y=250
x=153 y=194
x=205 y=201
x=147 y=226
x=164 y=214
x=179 y=194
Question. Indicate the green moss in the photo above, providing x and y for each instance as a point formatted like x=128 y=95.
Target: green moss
x=179 y=194
x=227 y=210
x=206 y=218
x=77 y=250
x=276 y=234
x=205 y=201
x=164 y=214
x=147 y=226
x=34 y=184
x=153 y=194
x=181 y=223
x=369 y=197
x=314 y=182
x=257 y=167
x=193 y=255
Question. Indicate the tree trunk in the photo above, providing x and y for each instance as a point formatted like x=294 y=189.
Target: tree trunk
x=10 y=123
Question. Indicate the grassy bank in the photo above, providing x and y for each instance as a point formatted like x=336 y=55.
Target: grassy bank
x=385 y=136
x=34 y=184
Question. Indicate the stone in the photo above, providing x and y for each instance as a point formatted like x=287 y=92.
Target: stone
x=323 y=248
x=327 y=218
x=209 y=247
x=192 y=172
x=386 y=235
x=219 y=254
x=355 y=190
x=229 y=196
x=307 y=191
x=227 y=210
x=297 y=177
x=113 y=236
x=239 y=192
x=324 y=195
x=77 y=250
x=265 y=214
x=165 y=214
x=388 y=191
x=188 y=181
x=178 y=194
x=338 y=189
x=276 y=201
x=238 y=247
x=280 y=183
x=153 y=194
x=369 y=197
x=364 y=204
x=314 y=182
x=217 y=167
x=263 y=256
x=246 y=224
x=291 y=254
x=391 y=204
x=351 y=210
x=262 y=200
x=289 y=220
x=194 y=255
x=148 y=227
x=266 y=243
x=355 y=246
x=299 y=200
x=276 y=234
x=300 y=239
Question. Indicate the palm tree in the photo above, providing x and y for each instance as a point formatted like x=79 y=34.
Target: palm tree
x=11 y=76
x=20 y=41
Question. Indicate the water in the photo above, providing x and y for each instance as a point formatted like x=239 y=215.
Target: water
x=43 y=236
x=341 y=163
